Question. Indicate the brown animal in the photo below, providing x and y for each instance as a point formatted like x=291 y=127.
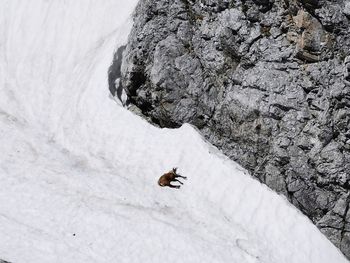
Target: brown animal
x=171 y=176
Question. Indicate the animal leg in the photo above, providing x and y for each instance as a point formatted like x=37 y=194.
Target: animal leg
x=174 y=186
x=184 y=177
x=176 y=180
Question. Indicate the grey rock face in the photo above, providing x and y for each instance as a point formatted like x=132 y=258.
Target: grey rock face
x=114 y=72
x=267 y=82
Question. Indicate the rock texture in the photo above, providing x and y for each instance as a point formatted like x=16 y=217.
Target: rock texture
x=266 y=81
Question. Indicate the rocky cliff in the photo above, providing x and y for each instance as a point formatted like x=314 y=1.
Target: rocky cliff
x=266 y=81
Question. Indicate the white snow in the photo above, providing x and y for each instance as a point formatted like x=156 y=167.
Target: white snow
x=79 y=173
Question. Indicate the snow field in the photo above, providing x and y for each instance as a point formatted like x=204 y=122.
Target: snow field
x=79 y=173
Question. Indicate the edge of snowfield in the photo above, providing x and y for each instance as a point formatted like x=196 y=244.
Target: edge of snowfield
x=78 y=172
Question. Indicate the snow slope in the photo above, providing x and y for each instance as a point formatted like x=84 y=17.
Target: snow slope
x=78 y=172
